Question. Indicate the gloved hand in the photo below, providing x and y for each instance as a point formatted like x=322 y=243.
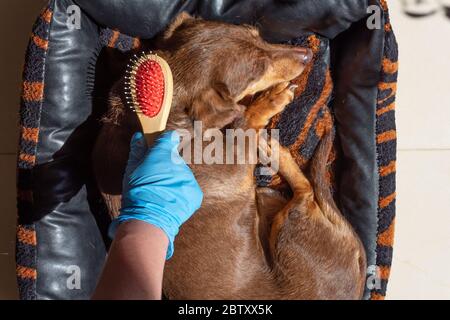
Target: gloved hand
x=158 y=187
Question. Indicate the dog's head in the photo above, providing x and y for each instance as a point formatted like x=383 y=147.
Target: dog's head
x=216 y=65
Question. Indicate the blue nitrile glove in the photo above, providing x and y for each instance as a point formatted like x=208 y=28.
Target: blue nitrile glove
x=158 y=187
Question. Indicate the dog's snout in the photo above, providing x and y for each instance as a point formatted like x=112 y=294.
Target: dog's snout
x=305 y=55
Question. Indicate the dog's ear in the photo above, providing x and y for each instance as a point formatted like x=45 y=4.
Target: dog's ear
x=176 y=23
x=215 y=107
x=221 y=99
x=212 y=100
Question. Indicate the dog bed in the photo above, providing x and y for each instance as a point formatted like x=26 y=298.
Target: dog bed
x=62 y=220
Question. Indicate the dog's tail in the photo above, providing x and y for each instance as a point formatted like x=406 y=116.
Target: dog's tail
x=319 y=171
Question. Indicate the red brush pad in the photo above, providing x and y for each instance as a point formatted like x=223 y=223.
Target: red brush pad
x=150 y=86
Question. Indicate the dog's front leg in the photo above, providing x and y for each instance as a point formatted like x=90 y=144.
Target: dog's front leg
x=258 y=115
x=268 y=105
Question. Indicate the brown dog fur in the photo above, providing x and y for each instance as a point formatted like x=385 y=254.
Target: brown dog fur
x=244 y=242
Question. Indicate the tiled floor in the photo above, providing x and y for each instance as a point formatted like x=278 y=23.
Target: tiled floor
x=422 y=241
x=423 y=104
x=422 y=250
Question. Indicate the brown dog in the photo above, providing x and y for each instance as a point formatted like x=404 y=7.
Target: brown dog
x=244 y=242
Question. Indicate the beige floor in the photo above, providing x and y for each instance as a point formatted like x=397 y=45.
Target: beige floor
x=422 y=250
x=15 y=28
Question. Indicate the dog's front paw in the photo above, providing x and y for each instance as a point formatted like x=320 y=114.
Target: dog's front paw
x=278 y=97
x=269 y=104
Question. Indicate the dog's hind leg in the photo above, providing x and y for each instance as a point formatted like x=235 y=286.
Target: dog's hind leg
x=314 y=257
x=303 y=195
x=269 y=202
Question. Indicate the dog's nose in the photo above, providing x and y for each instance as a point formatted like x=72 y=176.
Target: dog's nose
x=305 y=55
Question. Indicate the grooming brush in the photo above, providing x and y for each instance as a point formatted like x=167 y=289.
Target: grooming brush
x=149 y=92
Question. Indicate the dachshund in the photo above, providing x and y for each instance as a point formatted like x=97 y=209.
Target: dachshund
x=244 y=242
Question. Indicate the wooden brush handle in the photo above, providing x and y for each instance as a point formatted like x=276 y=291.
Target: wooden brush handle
x=153 y=126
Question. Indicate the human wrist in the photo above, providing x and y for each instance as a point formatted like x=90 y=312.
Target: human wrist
x=157 y=219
